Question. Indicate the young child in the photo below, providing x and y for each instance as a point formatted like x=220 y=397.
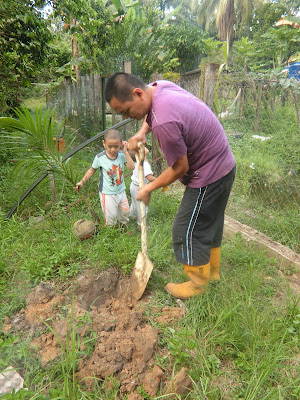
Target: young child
x=112 y=193
x=134 y=186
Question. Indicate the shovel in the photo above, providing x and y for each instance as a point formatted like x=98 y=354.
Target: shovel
x=143 y=266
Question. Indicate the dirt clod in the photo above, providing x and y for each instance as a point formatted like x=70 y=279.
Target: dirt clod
x=180 y=385
x=113 y=334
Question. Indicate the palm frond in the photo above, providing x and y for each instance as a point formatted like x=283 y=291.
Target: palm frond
x=35 y=135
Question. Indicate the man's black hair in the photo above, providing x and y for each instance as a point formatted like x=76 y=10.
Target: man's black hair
x=120 y=86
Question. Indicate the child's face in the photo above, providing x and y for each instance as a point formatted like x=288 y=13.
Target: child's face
x=112 y=147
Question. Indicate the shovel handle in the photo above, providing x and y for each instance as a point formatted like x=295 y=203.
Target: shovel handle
x=140 y=157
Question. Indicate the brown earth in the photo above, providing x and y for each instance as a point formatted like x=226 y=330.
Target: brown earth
x=100 y=309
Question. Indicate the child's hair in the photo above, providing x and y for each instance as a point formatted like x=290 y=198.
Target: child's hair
x=113 y=134
x=132 y=155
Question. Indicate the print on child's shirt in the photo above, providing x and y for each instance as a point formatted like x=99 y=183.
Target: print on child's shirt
x=115 y=175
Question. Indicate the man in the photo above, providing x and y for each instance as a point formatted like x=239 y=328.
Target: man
x=198 y=154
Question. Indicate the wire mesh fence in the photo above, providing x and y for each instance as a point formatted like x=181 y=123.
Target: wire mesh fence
x=269 y=207
x=261 y=120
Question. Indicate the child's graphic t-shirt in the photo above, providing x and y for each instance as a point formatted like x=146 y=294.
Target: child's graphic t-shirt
x=111 y=172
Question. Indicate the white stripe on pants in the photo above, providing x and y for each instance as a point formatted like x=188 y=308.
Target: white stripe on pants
x=115 y=208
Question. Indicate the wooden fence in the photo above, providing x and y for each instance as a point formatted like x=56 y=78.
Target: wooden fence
x=83 y=104
x=80 y=101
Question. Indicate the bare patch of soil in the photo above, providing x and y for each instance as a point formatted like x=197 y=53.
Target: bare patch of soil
x=101 y=310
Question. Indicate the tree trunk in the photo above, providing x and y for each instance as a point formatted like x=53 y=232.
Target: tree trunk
x=227 y=49
x=75 y=51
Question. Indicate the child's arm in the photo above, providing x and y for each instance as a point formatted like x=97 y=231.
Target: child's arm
x=129 y=160
x=147 y=168
x=150 y=178
x=90 y=172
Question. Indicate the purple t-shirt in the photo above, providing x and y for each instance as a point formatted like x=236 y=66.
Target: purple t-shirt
x=183 y=124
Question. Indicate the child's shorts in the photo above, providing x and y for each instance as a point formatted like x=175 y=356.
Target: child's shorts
x=115 y=208
x=198 y=224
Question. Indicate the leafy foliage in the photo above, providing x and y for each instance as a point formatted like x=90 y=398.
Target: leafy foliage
x=190 y=44
x=23 y=39
x=136 y=40
x=35 y=136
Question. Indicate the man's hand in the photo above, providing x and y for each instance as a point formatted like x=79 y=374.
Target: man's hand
x=139 y=137
x=144 y=195
x=134 y=140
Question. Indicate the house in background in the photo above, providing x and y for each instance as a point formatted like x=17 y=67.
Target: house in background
x=293 y=71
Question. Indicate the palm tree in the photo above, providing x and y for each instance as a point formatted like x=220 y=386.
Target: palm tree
x=225 y=14
x=36 y=136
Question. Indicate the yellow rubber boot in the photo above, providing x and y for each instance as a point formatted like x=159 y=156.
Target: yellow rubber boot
x=199 y=276
x=215 y=261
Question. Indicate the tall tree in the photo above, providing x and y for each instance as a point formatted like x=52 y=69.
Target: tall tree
x=264 y=16
x=224 y=14
x=189 y=42
x=23 y=41
x=76 y=16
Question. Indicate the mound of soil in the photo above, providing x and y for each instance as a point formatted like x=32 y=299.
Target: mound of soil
x=102 y=312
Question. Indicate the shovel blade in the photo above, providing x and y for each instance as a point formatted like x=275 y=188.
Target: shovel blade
x=140 y=275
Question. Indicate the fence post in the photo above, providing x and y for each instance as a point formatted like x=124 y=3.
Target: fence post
x=208 y=83
x=258 y=105
x=97 y=91
x=158 y=168
x=127 y=69
x=242 y=101
x=296 y=100
x=103 y=103
x=273 y=101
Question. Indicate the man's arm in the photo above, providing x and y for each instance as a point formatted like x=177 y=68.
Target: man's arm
x=168 y=176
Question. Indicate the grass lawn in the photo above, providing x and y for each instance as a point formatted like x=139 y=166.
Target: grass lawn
x=239 y=339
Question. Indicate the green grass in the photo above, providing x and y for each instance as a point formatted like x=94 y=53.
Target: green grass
x=33 y=103
x=266 y=191
x=239 y=339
